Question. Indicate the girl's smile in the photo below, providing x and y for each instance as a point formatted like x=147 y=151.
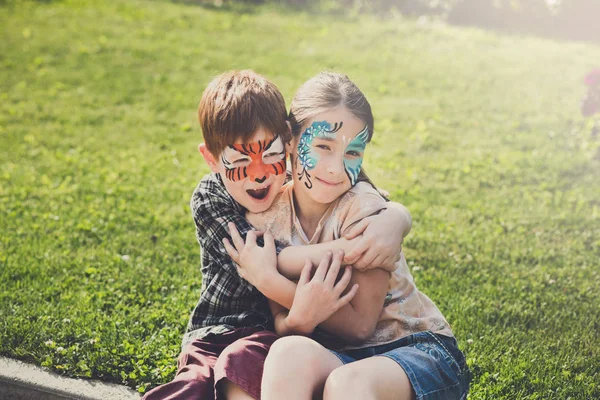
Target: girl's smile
x=328 y=156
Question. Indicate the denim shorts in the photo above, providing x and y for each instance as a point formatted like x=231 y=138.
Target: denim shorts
x=433 y=363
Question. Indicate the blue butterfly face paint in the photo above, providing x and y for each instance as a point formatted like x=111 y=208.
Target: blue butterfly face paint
x=353 y=155
x=307 y=157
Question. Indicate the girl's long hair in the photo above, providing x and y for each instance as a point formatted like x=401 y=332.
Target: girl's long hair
x=323 y=92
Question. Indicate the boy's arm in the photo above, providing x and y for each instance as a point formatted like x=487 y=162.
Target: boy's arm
x=212 y=209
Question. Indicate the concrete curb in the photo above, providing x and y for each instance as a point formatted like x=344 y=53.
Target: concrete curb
x=21 y=381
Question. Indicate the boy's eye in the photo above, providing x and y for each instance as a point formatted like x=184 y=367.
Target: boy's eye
x=353 y=153
x=240 y=161
x=323 y=147
x=272 y=154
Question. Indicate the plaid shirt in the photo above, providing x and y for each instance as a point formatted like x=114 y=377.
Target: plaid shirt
x=226 y=301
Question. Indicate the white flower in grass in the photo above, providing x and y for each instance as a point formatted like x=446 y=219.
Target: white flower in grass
x=49 y=343
x=94 y=341
x=60 y=349
x=66 y=320
x=125 y=257
x=470 y=341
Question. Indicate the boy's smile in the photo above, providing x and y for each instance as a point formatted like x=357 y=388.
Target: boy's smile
x=253 y=172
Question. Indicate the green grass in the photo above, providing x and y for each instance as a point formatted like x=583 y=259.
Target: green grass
x=479 y=135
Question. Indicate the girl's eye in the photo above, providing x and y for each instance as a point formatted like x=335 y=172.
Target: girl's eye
x=353 y=153
x=323 y=147
x=240 y=161
x=273 y=154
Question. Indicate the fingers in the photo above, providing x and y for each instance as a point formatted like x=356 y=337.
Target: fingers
x=358 y=250
x=343 y=282
x=251 y=239
x=269 y=241
x=334 y=268
x=238 y=242
x=379 y=262
x=388 y=263
x=347 y=298
x=323 y=266
x=305 y=274
x=231 y=250
x=365 y=260
x=357 y=229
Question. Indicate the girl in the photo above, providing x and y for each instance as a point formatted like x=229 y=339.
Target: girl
x=390 y=341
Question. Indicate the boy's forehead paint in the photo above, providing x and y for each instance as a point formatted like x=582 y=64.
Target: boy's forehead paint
x=257 y=170
x=253 y=148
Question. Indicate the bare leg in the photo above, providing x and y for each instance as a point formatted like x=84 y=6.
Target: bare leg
x=296 y=369
x=234 y=392
x=372 y=378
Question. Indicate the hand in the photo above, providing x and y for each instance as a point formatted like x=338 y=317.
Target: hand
x=319 y=297
x=256 y=264
x=380 y=245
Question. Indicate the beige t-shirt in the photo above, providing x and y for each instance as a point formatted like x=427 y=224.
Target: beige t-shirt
x=405 y=311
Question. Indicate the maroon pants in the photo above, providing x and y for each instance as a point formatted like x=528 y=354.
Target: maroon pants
x=238 y=355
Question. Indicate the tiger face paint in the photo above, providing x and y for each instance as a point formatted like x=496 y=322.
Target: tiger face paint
x=252 y=171
x=255 y=161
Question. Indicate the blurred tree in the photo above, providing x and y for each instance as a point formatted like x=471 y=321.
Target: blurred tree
x=510 y=15
x=579 y=19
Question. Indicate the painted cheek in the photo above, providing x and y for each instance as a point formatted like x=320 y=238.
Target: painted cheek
x=352 y=168
x=307 y=156
x=236 y=174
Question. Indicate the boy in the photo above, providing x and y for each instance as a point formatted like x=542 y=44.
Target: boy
x=243 y=121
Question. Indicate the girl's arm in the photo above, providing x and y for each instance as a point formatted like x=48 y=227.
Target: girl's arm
x=356 y=322
x=317 y=297
x=353 y=322
x=258 y=265
x=290 y=260
x=374 y=242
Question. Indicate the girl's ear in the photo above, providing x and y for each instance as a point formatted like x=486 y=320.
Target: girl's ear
x=208 y=157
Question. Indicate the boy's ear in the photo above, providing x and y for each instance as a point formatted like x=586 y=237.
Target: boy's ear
x=208 y=157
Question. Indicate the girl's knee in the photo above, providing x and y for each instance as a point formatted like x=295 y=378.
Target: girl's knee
x=348 y=382
x=293 y=356
x=291 y=349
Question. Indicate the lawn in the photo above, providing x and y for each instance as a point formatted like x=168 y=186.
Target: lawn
x=478 y=134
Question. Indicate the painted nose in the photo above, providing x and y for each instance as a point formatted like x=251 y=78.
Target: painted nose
x=261 y=180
